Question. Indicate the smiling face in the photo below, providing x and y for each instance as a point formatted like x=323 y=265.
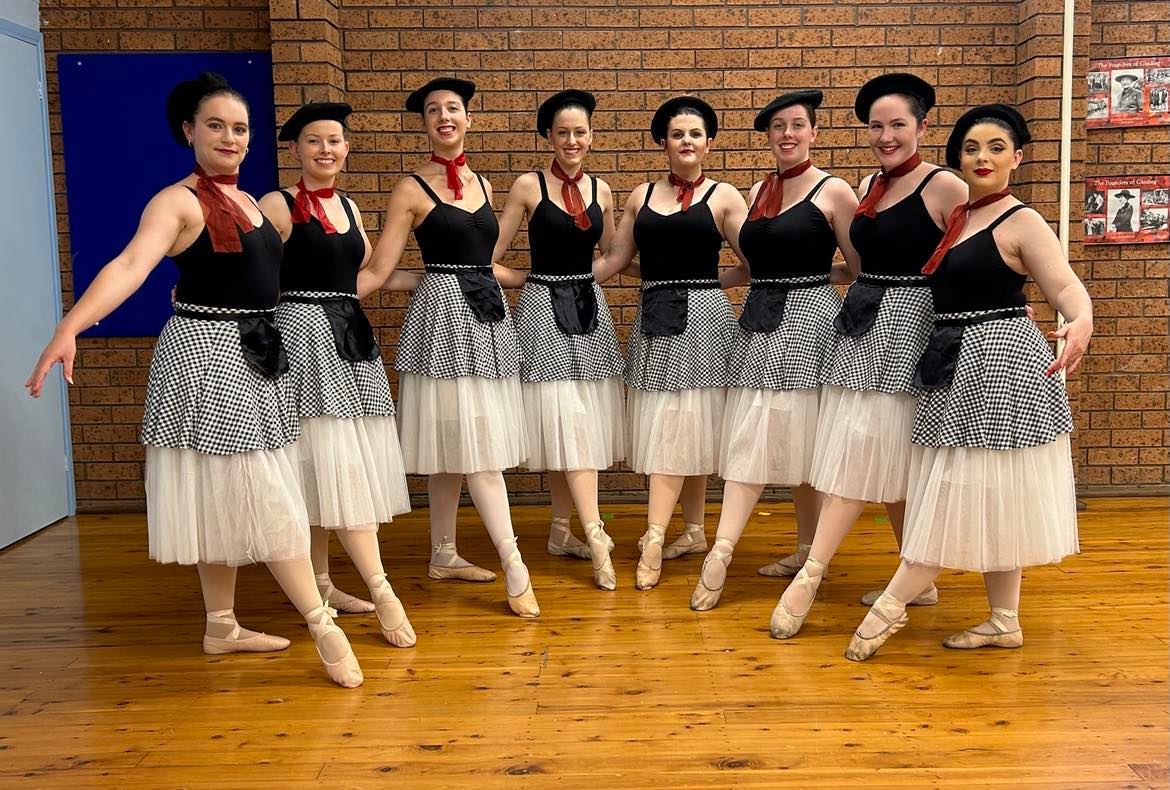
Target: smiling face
x=894 y=131
x=321 y=148
x=790 y=135
x=570 y=137
x=445 y=119
x=686 y=141
x=988 y=157
x=219 y=133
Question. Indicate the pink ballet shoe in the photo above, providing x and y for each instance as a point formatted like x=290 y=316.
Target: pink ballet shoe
x=892 y=613
x=257 y=643
x=524 y=603
x=344 y=672
x=788 y=566
x=1005 y=631
x=705 y=597
x=785 y=623
x=336 y=599
x=649 y=568
x=392 y=619
x=443 y=559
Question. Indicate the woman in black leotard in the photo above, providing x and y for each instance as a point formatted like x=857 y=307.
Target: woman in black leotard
x=798 y=220
x=351 y=464
x=862 y=449
x=991 y=477
x=460 y=406
x=571 y=365
x=221 y=479
x=684 y=332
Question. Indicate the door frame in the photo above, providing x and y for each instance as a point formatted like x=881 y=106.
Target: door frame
x=35 y=38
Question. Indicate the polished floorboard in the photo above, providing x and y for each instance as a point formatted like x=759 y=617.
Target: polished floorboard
x=103 y=684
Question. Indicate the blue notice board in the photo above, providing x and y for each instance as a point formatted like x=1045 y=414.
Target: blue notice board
x=119 y=153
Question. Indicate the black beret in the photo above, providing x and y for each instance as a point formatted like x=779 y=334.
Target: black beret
x=670 y=109
x=183 y=100
x=886 y=84
x=465 y=89
x=313 y=111
x=1001 y=112
x=548 y=109
x=811 y=98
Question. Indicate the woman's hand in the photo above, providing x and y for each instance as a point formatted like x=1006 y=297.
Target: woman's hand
x=1076 y=335
x=62 y=348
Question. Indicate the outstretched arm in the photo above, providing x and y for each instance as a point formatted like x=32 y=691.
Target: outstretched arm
x=163 y=220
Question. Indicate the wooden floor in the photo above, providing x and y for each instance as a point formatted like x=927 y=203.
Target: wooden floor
x=102 y=682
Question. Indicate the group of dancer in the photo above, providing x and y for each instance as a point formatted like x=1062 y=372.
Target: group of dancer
x=269 y=422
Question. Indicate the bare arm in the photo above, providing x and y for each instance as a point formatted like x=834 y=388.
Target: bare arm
x=398 y=280
x=942 y=195
x=840 y=206
x=733 y=218
x=515 y=209
x=274 y=207
x=163 y=220
x=395 y=231
x=1032 y=243
x=620 y=258
x=608 y=231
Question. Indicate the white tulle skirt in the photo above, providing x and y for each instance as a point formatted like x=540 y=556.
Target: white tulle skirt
x=863 y=444
x=225 y=509
x=460 y=425
x=675 y=433
x=351 y=472
x=991 y=510
x=574 y=424
x=769 y=436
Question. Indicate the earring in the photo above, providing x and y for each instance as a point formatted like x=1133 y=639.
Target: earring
x=246 y=150
x=190 y=144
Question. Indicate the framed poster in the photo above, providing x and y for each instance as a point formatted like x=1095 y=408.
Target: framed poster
x=1127 y=209
x=1128 y=92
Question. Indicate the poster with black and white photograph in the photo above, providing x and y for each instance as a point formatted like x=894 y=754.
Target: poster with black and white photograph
x=1127 y=209
x=1128 y=92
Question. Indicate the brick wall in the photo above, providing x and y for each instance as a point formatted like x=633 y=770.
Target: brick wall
x=633 y=54
x=106 y=405
x=1124 y=428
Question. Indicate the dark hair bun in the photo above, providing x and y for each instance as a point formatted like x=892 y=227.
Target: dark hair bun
x=185 y=98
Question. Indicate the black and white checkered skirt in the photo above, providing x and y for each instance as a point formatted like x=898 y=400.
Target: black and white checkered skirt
x=796 y=354
x=883 y=358
x=999 y=397
x=350 y=458
x=222 y=467
x=697 y=358
x=202 y=395
x=319 y=381
x=549 y=354
x=442 y=339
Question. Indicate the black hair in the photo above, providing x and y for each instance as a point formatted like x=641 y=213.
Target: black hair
x=1002 y=124
x=185 y=99
x=686 y=109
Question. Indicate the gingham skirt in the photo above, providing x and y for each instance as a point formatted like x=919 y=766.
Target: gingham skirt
x=350 y=460
x=1000 y=397
x=796 y=354
x=319 y=381
x=442 y=339
x=883 y=359
x=549 y=354
x=222 y=467
x=202 y=395
x=697 y=358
